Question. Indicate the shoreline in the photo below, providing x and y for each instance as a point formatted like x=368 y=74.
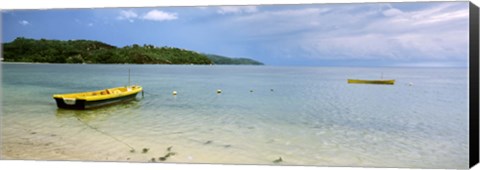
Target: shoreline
x=3 y=62
x=280 y=66
x=15 y=62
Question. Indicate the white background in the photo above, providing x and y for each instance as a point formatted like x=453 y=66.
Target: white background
x=48 y=4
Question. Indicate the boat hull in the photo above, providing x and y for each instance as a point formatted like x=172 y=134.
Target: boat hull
x=381 y=82
x=94 y=99
x=84 y=104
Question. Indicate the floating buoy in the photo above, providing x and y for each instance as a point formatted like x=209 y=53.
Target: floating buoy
x=219 y=91
x=251 y=91
x=271 y=89
x=174 y=93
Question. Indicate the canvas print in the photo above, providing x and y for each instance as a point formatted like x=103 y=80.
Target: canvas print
x=357 y=85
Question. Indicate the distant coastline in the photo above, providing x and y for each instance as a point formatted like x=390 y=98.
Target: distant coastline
x=14 y=62
x=25 y=50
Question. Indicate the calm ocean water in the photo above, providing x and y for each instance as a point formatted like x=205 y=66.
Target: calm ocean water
x=306 y=115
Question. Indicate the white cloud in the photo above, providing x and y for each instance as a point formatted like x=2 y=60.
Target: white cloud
x=399 y=47
x=304 y=13
x=24 y=22
x=373 y=31
x=153 y=15
x=128 y=15
x=444 y=7
x=271 y=23
x=236 y=9
x=437 y=36
x=444 y=17
x=157 y=15
x=392 y=12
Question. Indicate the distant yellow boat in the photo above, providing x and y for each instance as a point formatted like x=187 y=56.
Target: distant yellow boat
x=384 y=82
x=93 y=99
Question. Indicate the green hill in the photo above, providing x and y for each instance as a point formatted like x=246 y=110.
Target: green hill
x=217 y=59
x=88 y=51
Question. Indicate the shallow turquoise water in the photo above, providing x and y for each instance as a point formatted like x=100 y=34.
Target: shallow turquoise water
x=306 y=115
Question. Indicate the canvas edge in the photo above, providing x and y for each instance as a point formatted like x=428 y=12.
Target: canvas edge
x=474 y=104
x=473 y=84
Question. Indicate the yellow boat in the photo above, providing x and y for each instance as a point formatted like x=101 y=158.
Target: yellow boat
x=93 y=99
x=358 y=81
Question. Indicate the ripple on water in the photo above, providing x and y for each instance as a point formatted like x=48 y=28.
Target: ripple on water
x=311 y=117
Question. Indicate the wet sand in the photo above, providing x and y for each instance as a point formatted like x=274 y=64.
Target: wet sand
x=28 y=142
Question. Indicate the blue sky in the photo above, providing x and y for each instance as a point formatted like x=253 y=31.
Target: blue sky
x=432 y=34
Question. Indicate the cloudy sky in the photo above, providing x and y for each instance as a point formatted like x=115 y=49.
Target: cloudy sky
x=369 y=34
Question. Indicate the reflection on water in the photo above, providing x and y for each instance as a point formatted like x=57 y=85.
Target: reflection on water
x=100 y=113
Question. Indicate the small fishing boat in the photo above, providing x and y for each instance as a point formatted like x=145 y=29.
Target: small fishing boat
x=358 y=81
x=93 y=99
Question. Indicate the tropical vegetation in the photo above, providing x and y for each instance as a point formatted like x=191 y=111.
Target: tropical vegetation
x=88 y=51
